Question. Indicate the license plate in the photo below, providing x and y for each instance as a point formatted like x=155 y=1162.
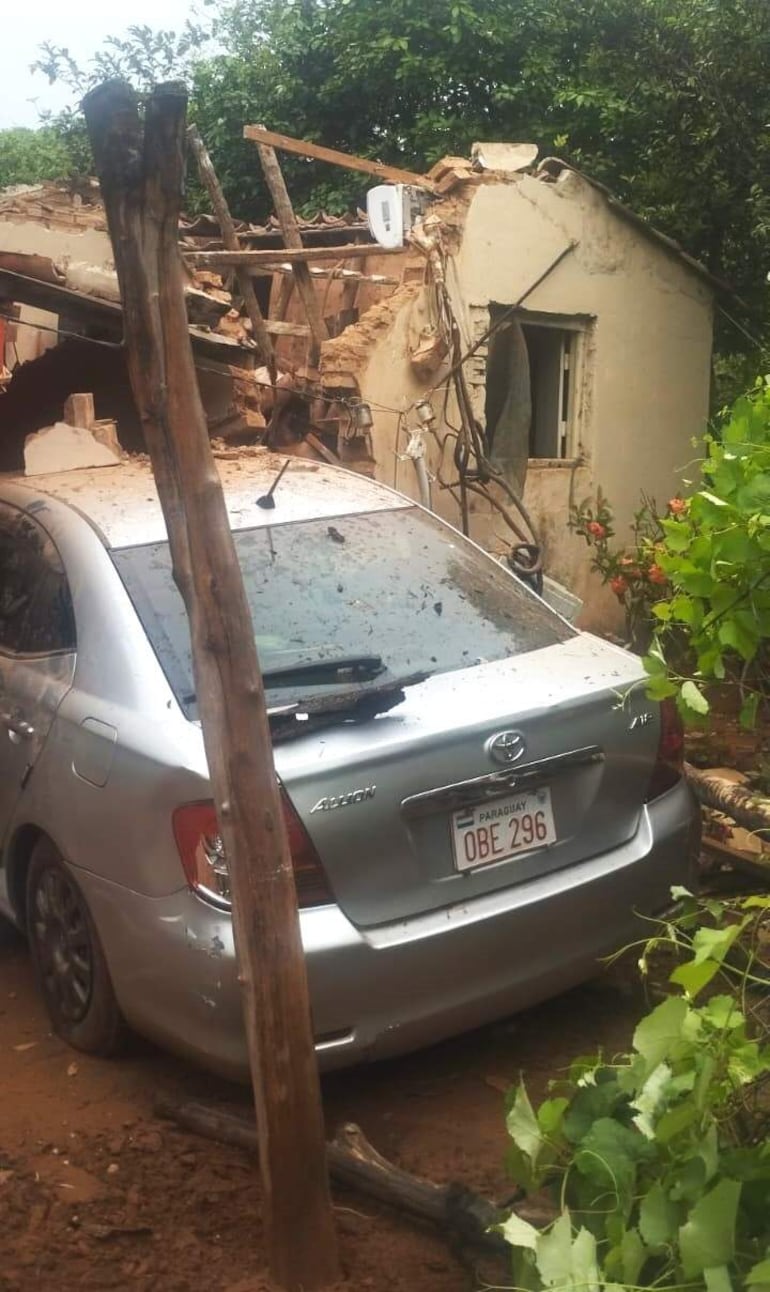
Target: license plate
x=502 y=828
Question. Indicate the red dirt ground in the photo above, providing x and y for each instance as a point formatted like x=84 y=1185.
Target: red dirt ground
x=96 y=1194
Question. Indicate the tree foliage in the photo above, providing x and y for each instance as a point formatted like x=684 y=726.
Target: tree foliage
x=29 y=156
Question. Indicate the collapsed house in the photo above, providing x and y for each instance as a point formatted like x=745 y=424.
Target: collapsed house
x=517 y=342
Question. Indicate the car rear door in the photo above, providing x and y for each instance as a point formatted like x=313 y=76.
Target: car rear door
x=37 y=648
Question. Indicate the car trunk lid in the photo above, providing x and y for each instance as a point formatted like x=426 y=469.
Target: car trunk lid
x=388 y=803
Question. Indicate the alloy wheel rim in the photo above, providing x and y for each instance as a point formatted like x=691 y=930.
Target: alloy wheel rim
x=63 y=943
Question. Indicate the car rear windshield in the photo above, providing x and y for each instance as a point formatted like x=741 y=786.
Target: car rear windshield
x=397 y=585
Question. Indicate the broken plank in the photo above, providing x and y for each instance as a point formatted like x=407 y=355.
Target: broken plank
x=287 y=255
x=346 y=275
x=276 y=327
x=392 y=174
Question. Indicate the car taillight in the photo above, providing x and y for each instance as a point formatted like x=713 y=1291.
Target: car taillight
x=669 y=762
x=202 y=854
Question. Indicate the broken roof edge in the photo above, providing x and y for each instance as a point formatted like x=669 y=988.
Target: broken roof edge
x=24 y=290
x=547 y=166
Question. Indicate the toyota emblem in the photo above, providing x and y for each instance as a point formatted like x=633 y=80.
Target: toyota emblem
x=506 y=747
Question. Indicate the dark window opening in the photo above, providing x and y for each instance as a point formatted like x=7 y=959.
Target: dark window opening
x=530 y=396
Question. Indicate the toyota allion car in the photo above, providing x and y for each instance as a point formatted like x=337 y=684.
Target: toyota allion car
x=481 y=801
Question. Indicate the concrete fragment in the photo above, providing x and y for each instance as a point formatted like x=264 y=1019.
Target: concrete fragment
x=93 y=280
x=504 y=157
x=65 y=448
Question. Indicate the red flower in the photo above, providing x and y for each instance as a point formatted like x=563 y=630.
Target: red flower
x=595 y=528
x=619 y=585
x=656 y=575
x=677 y=505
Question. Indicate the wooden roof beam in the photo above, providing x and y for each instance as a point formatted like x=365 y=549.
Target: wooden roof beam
x=283 y=255
x=390 y=174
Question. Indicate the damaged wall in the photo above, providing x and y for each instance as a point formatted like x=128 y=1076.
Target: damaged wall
x=640 y=320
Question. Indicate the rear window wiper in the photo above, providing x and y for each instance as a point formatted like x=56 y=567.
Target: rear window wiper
x=358 y=705
x=325 y=672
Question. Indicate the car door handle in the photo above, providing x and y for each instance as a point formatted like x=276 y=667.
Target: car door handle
x=17 y=727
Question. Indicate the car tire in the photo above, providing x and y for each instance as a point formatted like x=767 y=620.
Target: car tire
x=67 y=956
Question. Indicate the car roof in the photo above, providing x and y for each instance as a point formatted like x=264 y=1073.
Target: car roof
x=122 y=501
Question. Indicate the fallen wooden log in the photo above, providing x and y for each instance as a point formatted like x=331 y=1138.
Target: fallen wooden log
x=464 y=1216
x=749 y=810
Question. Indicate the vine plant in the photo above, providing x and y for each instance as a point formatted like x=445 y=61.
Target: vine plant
x=658 y=1161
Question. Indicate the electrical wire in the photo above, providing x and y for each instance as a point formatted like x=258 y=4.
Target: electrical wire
x=57 y=331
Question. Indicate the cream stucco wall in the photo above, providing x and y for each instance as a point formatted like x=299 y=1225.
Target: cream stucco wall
x=644 y=386
x=61 y=245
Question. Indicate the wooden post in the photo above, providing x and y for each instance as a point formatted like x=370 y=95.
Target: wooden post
x=293 y=239
x=140 y=169
x=230 y=239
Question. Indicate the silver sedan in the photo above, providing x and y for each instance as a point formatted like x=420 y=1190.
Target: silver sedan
x=480 y=800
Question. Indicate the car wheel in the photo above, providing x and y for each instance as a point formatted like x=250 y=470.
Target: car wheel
x=67 y=956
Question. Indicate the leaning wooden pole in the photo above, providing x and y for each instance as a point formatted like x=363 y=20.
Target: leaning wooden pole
x=230 y=240
x=140 y=164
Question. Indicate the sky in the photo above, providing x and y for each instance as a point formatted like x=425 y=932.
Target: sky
x=80 y=25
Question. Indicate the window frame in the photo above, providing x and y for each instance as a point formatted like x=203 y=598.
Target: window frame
x=581 y=326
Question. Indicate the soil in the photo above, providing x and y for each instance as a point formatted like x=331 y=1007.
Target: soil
x=96 y=1193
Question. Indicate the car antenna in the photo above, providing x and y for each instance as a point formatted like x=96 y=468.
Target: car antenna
x=267 y=501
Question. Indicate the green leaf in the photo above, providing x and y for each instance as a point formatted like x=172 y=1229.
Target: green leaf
x=708 y=1151
x=658 y=1217
x=522 y=1125
x=585 y=1272
x=565 y=1262
x=650 y=1098
x=519 y=1233
x=658 y=1035
x=678 y=535
x=683 y=608
x=554 y=1253
x=713 y=944
x=759 y=1275
x=590 y=1104
x=676 y=1120
x=607 y=1156
x=660 y=687
x=633 y=1255
x=740 y=637
x=746 y=1062
x=707 y=1239
x=723 y=1012
x=550 y=1115
x=717 y=1279
x=694 y=698
x=694 y=975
